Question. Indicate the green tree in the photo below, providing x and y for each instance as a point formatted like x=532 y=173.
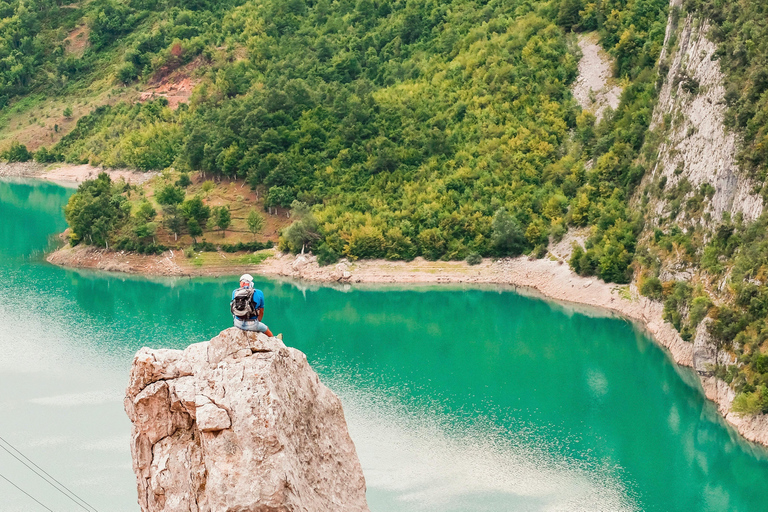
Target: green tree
x=255 y=222
x=169 y=195
x=279 y=196
x=17 y=152
x=303 y=232
x=45 y=156
x=223 y=219
x=184 y=180
x=366 y=242
x=507 y=235
x=194 y=228
x=432 y=243
x=145 y=230
x=95 y=211
x=195 y=209
x=568 y=14
x=173 y=221
x=145 y=212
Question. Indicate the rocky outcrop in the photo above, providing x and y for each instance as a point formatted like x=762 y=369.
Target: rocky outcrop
x=689 y=116
x=706 y=354
x=239 y=423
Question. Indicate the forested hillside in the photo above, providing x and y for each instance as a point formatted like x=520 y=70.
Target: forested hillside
x=396 y=129
x=411 y=128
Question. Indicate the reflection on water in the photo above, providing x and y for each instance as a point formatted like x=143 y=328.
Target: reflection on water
x=457 y=399
x=455 y=466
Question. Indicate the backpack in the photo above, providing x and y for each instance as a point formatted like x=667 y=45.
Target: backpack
x=242 y=305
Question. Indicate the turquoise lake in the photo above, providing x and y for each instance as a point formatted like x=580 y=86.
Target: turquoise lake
x=458 y=399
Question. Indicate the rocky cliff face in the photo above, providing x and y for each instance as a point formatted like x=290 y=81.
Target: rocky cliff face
x=694 y=150
x=689 y=117
x=239 y=423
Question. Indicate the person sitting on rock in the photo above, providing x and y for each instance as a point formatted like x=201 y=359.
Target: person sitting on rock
x=247 y=307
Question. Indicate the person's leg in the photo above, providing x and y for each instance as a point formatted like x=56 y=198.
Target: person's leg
x=262 y=327
x=252 y=325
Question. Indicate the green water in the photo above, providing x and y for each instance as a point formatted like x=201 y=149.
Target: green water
x=457 y=399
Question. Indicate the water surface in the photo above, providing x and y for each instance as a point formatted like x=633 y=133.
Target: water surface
x=457 y=399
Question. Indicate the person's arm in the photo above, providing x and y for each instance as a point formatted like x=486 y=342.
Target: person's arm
x=258 y=299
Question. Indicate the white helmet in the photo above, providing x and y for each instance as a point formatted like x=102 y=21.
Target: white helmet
x=246 y=278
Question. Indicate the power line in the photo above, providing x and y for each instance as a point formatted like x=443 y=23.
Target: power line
x=49 y=476
x=25 y=492
x=46 y=473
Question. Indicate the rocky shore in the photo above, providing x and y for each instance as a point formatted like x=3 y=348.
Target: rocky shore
x=69 y=175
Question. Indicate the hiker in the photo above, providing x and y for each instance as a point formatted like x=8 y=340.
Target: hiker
x=247 y=307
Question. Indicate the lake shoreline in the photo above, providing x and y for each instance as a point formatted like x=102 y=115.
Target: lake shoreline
x=550 y=277
x=70 y=175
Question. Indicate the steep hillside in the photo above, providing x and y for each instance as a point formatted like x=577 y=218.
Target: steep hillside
x=704 y=249
x=433 y=129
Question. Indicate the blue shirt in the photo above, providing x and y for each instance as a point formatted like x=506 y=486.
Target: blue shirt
x=258 y=298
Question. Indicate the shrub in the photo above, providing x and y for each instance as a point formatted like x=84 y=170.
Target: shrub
x=247 y=246
x=44 y=156
x=398 y=246
x=326 y=255
x=474 y=258
x=651 y=288
x=184 y=180
x=204 y=247
x=366 y=242
x=751 y=402
x=432 y=243
x=699 y=308
x=127 y=72
x=16 y=153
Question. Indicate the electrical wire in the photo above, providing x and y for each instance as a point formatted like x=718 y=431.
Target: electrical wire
x=25 y=492
x=49 y=476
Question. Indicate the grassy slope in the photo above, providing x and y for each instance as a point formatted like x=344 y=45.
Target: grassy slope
x=235 y=194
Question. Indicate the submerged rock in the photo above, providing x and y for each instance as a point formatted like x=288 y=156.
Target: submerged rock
x=239 y=423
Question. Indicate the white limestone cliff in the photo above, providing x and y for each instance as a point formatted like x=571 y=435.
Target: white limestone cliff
x=690 y=114
x=239 y=423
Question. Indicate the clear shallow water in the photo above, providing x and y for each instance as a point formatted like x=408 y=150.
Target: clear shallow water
x=457 y=399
